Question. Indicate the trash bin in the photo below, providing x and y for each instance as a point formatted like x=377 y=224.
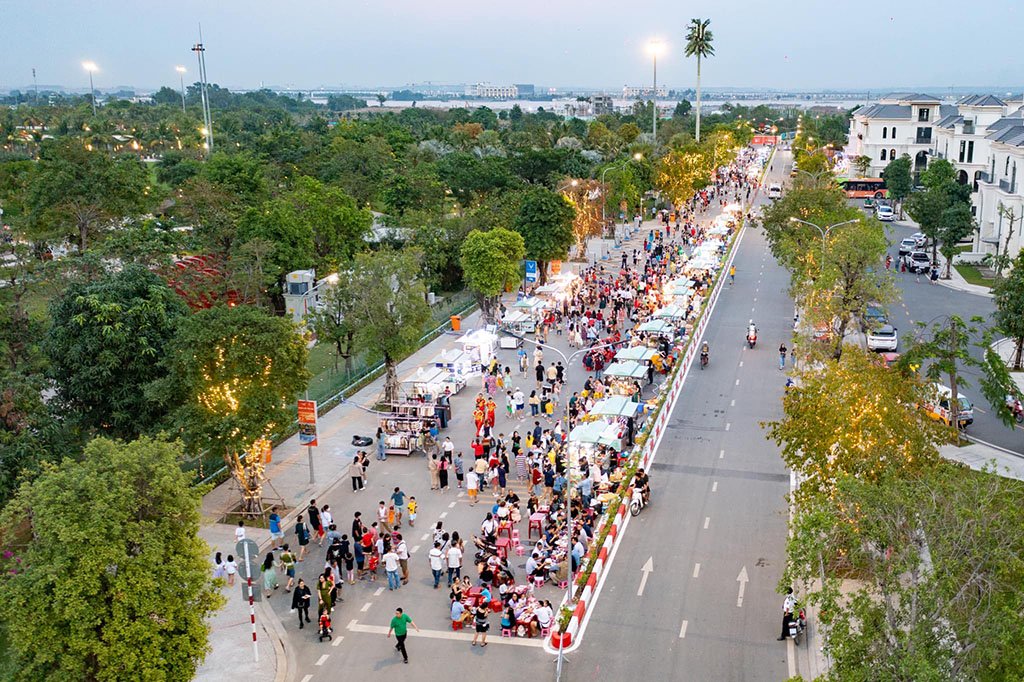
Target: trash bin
x=456 y=323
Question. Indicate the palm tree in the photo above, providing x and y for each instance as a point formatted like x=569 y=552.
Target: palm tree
x=698 y=43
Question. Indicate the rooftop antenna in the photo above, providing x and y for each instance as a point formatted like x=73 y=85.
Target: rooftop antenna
x=200 y=51
x=35 y=85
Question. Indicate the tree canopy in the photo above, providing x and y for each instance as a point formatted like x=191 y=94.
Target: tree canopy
x=545 y=222
x=104 y=569
x=491 y=262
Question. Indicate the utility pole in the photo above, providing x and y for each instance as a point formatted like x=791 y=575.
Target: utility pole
x=200 y=51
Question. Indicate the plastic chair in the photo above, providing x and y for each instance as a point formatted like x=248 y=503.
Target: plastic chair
x=456 y=625
x=520 y=550
x=506 y=632
x=515 y=537
x=545 y=632
x=538 y=581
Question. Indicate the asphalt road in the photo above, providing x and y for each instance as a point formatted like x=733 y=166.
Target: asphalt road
x=924 y=302
x=718 y=511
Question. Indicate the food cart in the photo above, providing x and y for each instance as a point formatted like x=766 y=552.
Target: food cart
x=622 y=410
x=621 y=377
x=588 y=439
x=480 y=345
x=456 y=362
x=519 y=323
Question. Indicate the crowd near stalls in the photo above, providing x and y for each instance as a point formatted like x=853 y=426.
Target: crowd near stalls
x=541 y=464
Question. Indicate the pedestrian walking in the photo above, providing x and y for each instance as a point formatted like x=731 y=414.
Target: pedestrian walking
x=274 y=523
x=453 y=557
x=400 y=626
x=460 y=470
x=288 y=564
x=381 y=455
x=782 y=355
x=402 y=550
x=269 y=575
x=436 y=559
x=433 y=468
x=391 y=565
x=230 y=569
x=300 y=601
x=398 y=499
x=314 y=521
x=355 y=472
x=442 y=473
x=413 y=506
x=240 y=532
x=364 y=460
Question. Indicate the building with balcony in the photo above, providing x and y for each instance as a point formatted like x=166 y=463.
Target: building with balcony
x=999 y=201
x=961 y=137
x=603 y=104
x=898 y=124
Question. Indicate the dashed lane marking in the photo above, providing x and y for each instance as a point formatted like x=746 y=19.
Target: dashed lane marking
x=721 y=454
x=733 y=403
x=379 y=591
x=452 y=505
x=442 y=515
x=714 y=487
x=337 y=641
x=322 y=659
x=367 y=605
x=707 y=520
x=682 y=630
x=696 y=570
x=414 y=549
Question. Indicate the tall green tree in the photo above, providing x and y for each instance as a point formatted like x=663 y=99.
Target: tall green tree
x=491 y=262
x=333 y=322
x=105 y=343
x=391 y=309
x=937 y=560
x=232 y=374
x=898 y=179
x=854 y=417
x=1009 y=316
x=944 y=349
x=137 y=594
x=941 y=192
x=957 y=225
x=76 y=192
x=545 y=222
x=278 y=222
x=699 y=41
x=339 y=227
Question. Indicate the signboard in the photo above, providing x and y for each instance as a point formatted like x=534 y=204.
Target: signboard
x=764 y=139
x=556 y=268
x=531 y=270
x=307 y=423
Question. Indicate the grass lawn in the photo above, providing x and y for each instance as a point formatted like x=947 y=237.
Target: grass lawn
x=972 y=275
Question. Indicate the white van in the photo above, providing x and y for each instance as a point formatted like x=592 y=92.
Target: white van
x=774 y=191
x=937 y=406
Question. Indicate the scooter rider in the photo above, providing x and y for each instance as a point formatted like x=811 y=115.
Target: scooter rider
x=751 y=331
x=704 y=353
x=788 y=612
x=643 y=483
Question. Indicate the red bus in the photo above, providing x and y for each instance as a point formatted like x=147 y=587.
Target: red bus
x=863 y=188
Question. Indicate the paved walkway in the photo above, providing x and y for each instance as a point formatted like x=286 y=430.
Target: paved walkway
x=956 y=280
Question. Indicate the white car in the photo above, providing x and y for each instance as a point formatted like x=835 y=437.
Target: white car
x=883 y=338
x=774 y=191
x=919 y=239
x=885 y=214
x=907 y=245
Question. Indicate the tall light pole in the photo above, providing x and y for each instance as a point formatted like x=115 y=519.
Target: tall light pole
x=655 y=47
x=823 y=231
x=90 y=67
x=200 y=51
x=181 y=79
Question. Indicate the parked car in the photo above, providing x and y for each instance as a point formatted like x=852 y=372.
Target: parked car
x=885 y=213
x=918 y=261
x=919 y=239
x=874 y=317
x=774 y=191
x=907 y=245
x=883 y=338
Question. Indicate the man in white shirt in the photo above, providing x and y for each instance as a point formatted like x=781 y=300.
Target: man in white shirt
x=436 y=557
x=531 y=565
x=449 y=446
x=402 y=550
x=240 y=531
x=544 y=615
x=391 y=564
x=454 y=559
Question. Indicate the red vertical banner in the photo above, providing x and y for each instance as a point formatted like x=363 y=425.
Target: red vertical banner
x=307 y=422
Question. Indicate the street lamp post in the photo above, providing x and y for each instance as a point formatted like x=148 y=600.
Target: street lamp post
x=181 y=79
x=90 y=67
x=655 y=47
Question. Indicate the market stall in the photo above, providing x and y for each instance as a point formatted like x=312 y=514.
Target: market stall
x=621 y=410
x=405 y=425
x=430 y=382
x=674 y=312
x=658 y=328
x=636 y=354
x=517 y=322
x=480 y=345
x=456 y=362
x=622 y=377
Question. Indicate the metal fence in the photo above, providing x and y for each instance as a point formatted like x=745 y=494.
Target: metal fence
x=329 y=386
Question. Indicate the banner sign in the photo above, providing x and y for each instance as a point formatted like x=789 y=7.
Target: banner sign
x=307 y=422
x=556 y=268
x=531 y=270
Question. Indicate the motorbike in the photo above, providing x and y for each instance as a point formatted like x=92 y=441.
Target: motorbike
x=638 y=502
x=1016 y=409
x=751 y=339
x=797 y=626
x=703 y=359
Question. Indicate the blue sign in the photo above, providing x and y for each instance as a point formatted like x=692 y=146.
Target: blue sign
x=531 y=270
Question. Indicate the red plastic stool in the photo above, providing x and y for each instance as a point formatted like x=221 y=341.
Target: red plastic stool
x=456 y=625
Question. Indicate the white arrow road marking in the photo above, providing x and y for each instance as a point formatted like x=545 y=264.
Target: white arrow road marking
x=647 y=568
x=742 y=579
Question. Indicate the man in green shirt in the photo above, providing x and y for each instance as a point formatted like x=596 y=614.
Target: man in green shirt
x=400 y=624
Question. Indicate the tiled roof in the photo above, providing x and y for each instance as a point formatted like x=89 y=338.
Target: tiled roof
x=910 y=97
x=886 y=111
x=949 y=121
x=981 y=101
x=1012 y=134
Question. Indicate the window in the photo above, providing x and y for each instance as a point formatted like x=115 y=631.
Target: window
x=968 y=126
x=963 y=150
x=922 y=114
x=892 y=154
x=884 y=131
x=924 y=136
x=883 y=155
x=970 y=151
x=1006 y=168
x=893 y=136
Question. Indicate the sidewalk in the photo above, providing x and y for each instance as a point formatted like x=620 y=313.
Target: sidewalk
x=956 y=280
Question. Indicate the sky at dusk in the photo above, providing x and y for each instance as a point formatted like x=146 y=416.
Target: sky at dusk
x=600 y=43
